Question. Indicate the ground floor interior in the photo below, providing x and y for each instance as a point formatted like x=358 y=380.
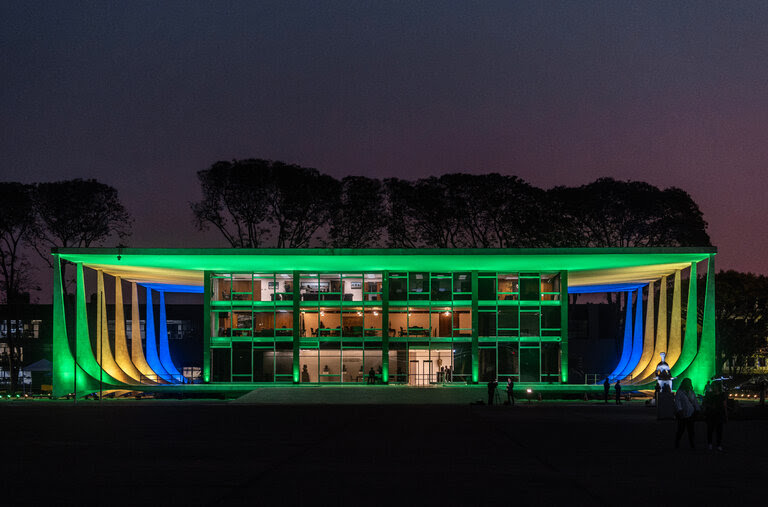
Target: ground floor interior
x=415 y=364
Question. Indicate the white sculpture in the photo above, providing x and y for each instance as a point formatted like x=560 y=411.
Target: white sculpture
x=663 y=375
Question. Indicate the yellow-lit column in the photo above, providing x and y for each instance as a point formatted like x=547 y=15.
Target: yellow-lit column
x=122 y=357
x=148 y=375
x=649 y=372
x=676 y=324
x=103 y=349
x=647 y=354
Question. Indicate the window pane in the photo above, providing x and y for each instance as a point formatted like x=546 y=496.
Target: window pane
x=398 y=363
x=462 y=282
x=263 y=324
x=442 y=322
x=263 y=365
x=508 y=360
x=308 y=359
x=529 y=289
x=330 y=322
x=550 y=317
x=241 y=358
x=398 y=289
x=242 y=288
x=353 y=288
x=508 y=286
x=462 y=322
x=529 y=365
x=330 y=362
x=284 y=362
x=529 y=324
x=487 y=364
x=487 y=323
x=418 y=324
x=352 y=322
x=508 y=317
x=486 y=288
x=441 y=289
x=221 y=289
x=462 y=362
x=221 y=365
x=550 y=359
x=418 y=283
x=283 y=323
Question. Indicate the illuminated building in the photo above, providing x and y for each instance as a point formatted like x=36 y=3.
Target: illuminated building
x=414 y=317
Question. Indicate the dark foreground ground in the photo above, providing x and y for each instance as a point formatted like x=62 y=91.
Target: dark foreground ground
x=154 y=453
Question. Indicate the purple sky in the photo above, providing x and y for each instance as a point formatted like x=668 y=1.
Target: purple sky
x=141 y=95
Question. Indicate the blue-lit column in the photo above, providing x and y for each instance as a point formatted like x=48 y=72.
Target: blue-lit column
x=153 y=358
x=165 y=351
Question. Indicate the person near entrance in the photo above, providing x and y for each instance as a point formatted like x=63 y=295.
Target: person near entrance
x=510 y=388
x=606 y=388
x=492 y=390
x=305 y=374
x=618 y=392
x=372 y=376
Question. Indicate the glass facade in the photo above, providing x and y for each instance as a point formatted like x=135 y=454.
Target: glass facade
x=414 y=328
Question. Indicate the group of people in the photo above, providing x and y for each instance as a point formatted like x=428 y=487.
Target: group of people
x=607 y=389
x=715 y=409
x=493 y=384
x=687 y=408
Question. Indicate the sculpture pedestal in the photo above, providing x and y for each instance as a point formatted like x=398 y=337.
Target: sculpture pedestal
x=665 y=405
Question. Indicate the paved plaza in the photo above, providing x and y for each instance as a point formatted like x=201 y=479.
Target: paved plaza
x=166 y=453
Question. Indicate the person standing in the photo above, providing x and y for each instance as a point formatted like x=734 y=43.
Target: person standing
x=716 y=412
x=510 y=394
x=686 y=406
x=491 y=390
x=606 y=388
x=618 y=392
x=371 y=376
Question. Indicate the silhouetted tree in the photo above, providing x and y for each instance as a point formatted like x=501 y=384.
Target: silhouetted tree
x=301 y=203
x=357 y=219
x=17 y=220
x=741 y=317
x=466 y=211
x=496 y=211
x=77 y=214
x=610 y=213
x=249 y=200
x=235 y=201
x=421 y=214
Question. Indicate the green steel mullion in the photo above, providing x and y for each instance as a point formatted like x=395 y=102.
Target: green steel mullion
x=475 y=326
x=564 y=326
x=207 y=326
x=296 y=327
x=384 y=327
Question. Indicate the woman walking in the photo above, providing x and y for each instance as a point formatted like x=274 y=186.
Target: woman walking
x=686 y=406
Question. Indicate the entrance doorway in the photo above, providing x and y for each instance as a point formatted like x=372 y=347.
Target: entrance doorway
x=427 y=366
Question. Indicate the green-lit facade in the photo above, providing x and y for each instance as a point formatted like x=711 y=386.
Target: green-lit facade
x=412 y=327
x=408 y=317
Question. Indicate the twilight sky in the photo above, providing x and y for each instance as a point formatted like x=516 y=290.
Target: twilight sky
x=141 y=95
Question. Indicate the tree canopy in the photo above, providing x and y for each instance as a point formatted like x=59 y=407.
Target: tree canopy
x=78 y=213
x=742 y=317
x=255 y=203
x=251 y=201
